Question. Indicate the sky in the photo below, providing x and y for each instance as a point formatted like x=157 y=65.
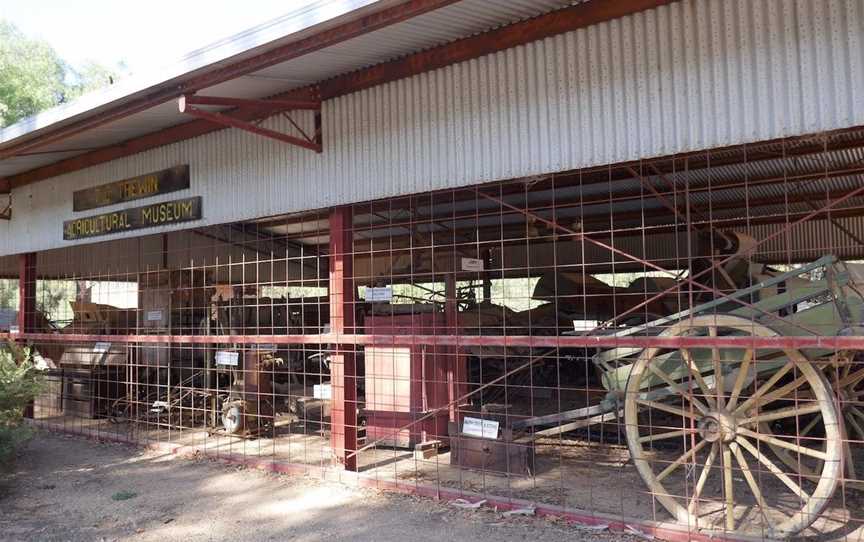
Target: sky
x=143 y=35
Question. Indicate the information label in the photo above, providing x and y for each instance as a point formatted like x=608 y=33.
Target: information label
x=477 y=427
x=472 y=264
x=379 y=294
x=226 y=357
x=154 y=316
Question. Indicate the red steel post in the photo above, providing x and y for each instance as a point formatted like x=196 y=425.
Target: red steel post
x=27 y=302
x=343 y=368
x=27 y=293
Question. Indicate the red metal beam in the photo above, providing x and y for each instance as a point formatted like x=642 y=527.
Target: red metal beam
x=550 y=24
x=513 y=341
x=225 y=120
x=343 y=366
x=264 y=105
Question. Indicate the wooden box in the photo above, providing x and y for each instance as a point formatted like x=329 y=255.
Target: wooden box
x=406 y=383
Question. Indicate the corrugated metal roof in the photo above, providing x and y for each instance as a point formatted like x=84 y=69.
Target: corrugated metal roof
x=437 y=27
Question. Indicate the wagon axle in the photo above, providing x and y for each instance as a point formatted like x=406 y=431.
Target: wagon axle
x=718 y=426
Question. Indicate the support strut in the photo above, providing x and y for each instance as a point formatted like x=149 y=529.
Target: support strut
x=314 y=142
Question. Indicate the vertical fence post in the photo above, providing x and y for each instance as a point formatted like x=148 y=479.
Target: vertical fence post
x=343 y=369
x=27 y=292
x=27 y=303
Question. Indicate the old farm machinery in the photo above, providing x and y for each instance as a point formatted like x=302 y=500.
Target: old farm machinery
x=748 y=437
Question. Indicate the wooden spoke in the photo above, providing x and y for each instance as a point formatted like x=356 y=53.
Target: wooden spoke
x=751 y=481
x=809 y=408
x=768 y=439
x=810 y=426
x=664 y=436
x=779 y=393
x=703 y=477
x=851 y=379
x=667 y=408
x=773 y=469
x=765 y=387
x=853 y=422
x=743 y=370
x=677 y=463
x=847 y=367
x=697 y=376
x=857 y=412
x=850 y=462
x=677 y=388
x=728 y=491
x=718 y=369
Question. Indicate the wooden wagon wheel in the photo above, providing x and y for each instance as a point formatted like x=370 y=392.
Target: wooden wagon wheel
x=693 y=414
x=847 y=381
x=849 y=384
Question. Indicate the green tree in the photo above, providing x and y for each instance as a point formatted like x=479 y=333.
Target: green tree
x=89 y=77
x=33 y=77
x=20 y=383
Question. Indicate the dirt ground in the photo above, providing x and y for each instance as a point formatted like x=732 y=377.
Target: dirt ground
x=66 y=488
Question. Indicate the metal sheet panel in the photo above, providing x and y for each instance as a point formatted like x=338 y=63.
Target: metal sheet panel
x=683 y=77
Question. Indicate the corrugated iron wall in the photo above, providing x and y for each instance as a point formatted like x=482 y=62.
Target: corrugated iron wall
x=691 y=75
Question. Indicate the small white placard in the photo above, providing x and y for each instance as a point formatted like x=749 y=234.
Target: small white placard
x=476 y=427
x=472 y=264
x=379 y=294
x=101 y=348
x=267 y=347
x=322 y=391
x=154 y=316
x=14 y=329
x=225 y=357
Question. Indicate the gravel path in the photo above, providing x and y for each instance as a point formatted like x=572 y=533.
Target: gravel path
x=66 y=488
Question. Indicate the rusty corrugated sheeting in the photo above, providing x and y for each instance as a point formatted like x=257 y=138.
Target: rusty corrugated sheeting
x=686 y=76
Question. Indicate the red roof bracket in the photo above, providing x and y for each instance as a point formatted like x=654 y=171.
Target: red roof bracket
x=314 y=142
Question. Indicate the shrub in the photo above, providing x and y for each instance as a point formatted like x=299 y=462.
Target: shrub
x=20 y=382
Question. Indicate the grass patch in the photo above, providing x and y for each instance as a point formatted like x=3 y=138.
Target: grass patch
x=123 y=496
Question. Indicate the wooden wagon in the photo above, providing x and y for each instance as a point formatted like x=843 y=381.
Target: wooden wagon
x=741 y=435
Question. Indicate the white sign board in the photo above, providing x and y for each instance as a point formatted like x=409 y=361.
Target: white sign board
x=476 y=427
x=154 y=316
x=14 y=329
x=101 y=348
x=379 y=294
x=224 y=357
x=322 y=391
x=472 y=264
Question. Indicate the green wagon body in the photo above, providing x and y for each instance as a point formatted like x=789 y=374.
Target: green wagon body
x=828 y=307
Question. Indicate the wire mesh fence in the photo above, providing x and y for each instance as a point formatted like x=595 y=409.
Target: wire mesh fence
x=675 y=340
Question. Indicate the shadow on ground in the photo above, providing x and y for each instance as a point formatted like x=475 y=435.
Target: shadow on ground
x=66 y=488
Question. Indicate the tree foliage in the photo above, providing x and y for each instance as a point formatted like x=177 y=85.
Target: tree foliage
x=33 y=77
x=20 y=382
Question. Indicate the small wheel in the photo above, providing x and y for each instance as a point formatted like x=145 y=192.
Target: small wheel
x=693 y=414
x=120 y=411
x=232 y=417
